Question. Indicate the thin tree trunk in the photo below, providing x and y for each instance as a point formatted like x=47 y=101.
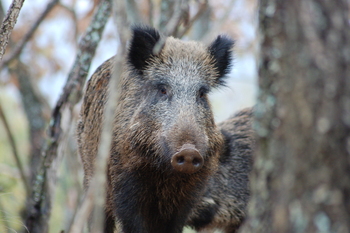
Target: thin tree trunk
x=37 y=111
x=301 y=177
x=38 y=207
x=8 y=24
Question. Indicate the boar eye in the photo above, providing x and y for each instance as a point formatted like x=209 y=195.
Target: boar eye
x=202 y=92
x=163 y=90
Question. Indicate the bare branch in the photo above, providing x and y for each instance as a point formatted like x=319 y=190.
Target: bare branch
x=83 y=212
x=100 y=179
x=122 y=26
x=167 y=8
x=203 y=6
x=150 y=12
x=74 y=16
x=39 y=206
x=179 y=10
x=14 y=150
x=37 y=112
x=95 y=195
x=216 y=27
x=20 y=45
x=133 y=12
x=8 y=24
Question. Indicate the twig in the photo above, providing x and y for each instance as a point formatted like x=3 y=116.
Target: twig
x=208 y=35
x=74 y=16
x=40 y=204
x=14 y=151
x=133 y=12
x=203 y=6
x=8 y=24
x=174 y=22
x=166 y=10
x=83 y=212
x=172 y=25
x=20 y=45
x=150 y=12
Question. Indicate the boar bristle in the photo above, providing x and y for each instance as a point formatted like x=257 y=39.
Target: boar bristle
x=221 y=50
x=166 y=147
x=142 y=43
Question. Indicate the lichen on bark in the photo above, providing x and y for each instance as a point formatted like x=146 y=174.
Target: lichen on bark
x=301 y=179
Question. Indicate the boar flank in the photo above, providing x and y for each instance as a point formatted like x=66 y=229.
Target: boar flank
x=223 y=204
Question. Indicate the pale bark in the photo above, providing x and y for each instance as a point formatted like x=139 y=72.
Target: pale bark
x=99 y=180
x=8 y=24
x=20 y=45
x=39 y=203
x=37 y=112
x=301 y=177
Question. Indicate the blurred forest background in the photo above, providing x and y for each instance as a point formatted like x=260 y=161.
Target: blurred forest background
x=32 y=78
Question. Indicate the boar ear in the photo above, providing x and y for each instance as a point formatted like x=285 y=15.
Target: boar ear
x=141 y=47
x=221 y=50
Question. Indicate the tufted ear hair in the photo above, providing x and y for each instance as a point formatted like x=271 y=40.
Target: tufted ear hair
x=141 y=47
x=221 y=50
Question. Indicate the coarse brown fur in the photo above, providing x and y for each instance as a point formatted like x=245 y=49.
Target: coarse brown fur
x=223 y=205
x=163 y=105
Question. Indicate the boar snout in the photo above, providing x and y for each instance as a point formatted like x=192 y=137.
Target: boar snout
x=187 y=160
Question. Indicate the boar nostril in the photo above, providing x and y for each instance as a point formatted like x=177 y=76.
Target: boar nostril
x=196 y=162
x=180 y=160
x=187 y=160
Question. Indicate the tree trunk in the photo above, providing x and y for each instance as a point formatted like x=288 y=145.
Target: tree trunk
x=39 y=203
x=301 y=177
x=37 y=111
